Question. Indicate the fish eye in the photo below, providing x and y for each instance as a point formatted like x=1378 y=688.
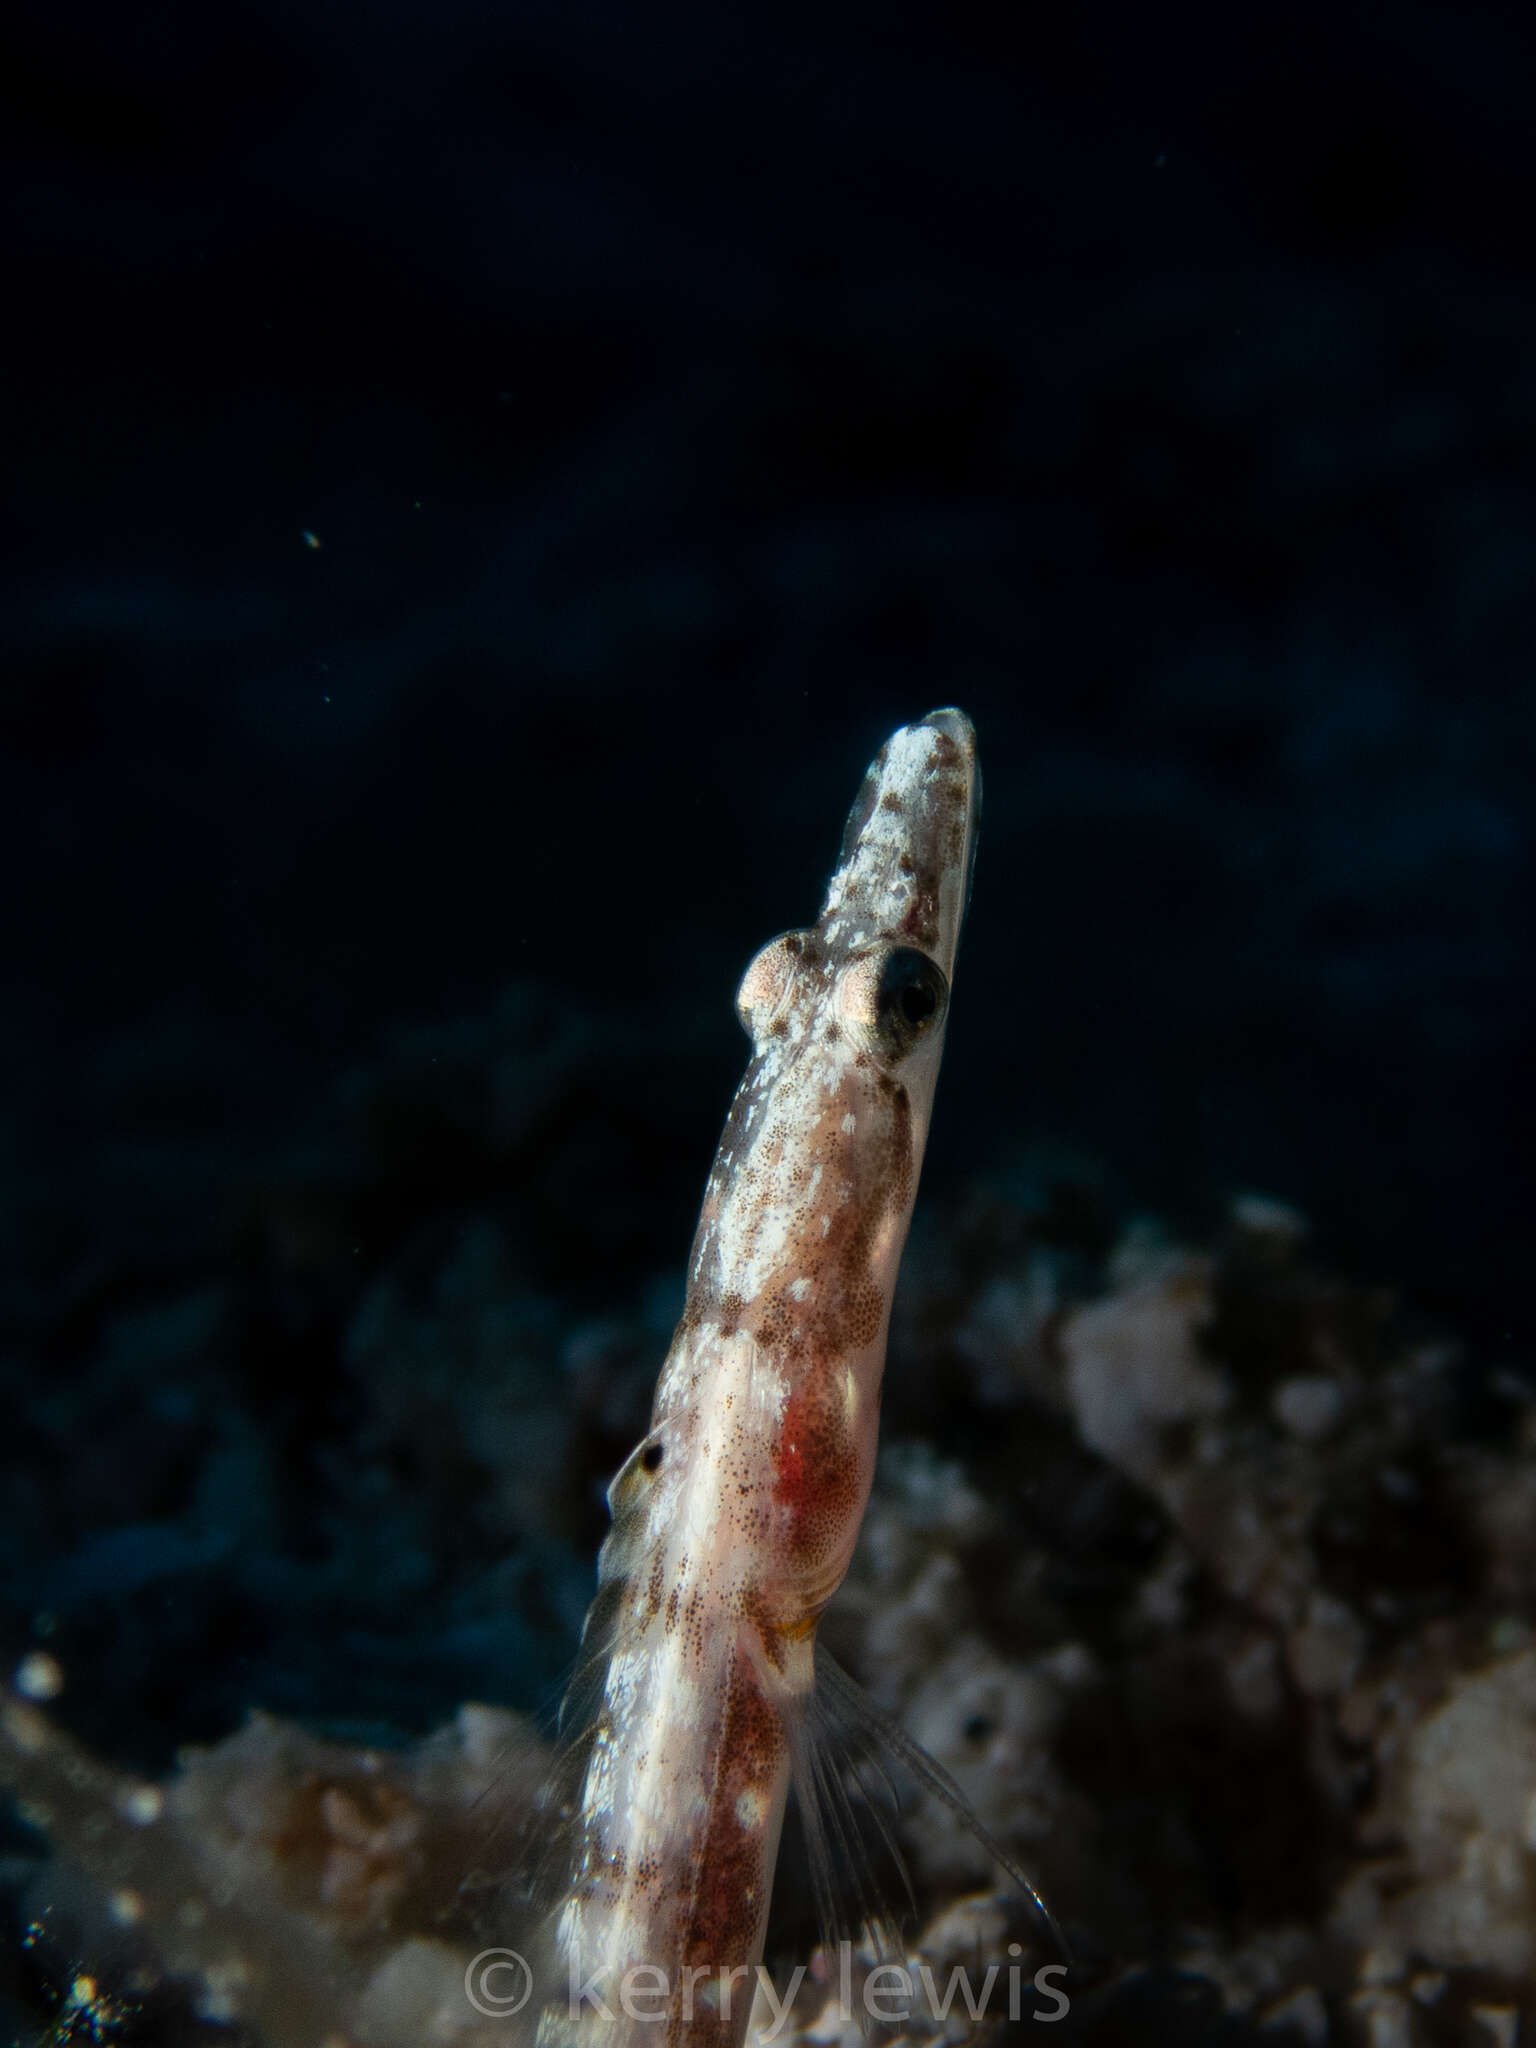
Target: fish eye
x=909 y=1001
x=896 y=998
x=767 y=983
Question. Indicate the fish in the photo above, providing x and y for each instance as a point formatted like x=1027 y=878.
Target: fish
x=735 y=1517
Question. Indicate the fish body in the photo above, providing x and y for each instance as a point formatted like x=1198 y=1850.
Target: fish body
x=735 y=1517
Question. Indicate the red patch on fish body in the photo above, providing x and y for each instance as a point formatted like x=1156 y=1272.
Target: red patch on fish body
x=818 y=1480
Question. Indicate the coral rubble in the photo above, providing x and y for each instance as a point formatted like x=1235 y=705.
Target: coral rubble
x=1207 y=1576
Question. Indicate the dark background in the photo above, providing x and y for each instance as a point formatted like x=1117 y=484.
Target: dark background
x=481 y=483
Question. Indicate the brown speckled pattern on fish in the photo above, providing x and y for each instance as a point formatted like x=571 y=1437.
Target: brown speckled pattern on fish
x=735 y=1517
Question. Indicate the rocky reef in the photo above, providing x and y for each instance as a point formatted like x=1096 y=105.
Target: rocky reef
x=1207 y=1573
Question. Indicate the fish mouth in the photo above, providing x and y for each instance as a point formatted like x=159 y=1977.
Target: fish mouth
x=904 y=875
x=952 y=722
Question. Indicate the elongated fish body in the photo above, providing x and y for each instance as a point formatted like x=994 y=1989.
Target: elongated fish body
x=735 y=1517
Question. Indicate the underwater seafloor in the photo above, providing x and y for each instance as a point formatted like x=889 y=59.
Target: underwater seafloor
x=1206 y=1569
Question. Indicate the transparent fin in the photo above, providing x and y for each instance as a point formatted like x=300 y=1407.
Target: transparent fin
x=845 y=1834
x=531 y=1875
x=525 y=1872
x=499 y=1887
x=870 y=1738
